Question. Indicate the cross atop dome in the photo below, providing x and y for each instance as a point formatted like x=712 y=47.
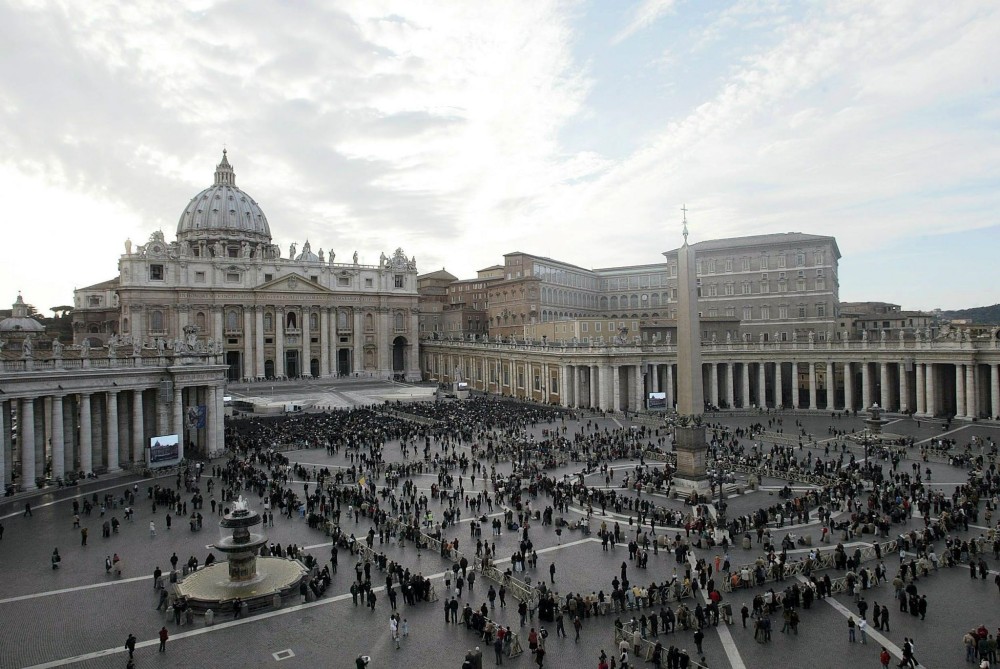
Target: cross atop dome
x=224 y=174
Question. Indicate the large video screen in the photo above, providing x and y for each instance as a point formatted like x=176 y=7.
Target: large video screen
x=164 y=451
x=657 y=401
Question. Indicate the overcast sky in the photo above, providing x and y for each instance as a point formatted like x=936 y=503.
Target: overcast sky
x=462 y=130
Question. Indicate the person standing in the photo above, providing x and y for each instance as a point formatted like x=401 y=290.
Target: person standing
x=862 y=628
x=851 y=625
x=552 y=572
x=164 y=635
x=152 y=529
x=394 y=630
x=577 y=625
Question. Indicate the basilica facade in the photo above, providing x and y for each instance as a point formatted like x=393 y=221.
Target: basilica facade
x=224 y=281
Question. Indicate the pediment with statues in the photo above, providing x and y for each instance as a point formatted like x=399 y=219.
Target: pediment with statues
x=292 y=283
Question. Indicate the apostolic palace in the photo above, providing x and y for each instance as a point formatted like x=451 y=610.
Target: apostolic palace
x=155 y=346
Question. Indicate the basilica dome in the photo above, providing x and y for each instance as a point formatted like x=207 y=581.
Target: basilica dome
x=223 y=212
x=20 y=321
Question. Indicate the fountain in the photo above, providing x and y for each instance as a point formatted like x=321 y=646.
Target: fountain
x=255 y=580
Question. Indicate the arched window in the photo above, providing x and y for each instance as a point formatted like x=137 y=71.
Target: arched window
x=232 y=321
x=156 y=321
x=369 y=323
x=94 y=328
x=342 y=320
x=614 y=302
x=634 y=301
x=291 y=320
x=400 y=321
x=124 y=325
x=199 y=320
x=313 y=321
x=268 y=323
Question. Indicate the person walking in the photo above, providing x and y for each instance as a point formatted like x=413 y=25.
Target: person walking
x=164 y=635
x=862 y=628
x=577 y=625
x=552 y=572
x=394 y=630
x=152 y=529
x=851 y=626
x=130 y=644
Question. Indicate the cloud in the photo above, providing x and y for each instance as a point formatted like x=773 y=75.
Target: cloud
x=643 y=16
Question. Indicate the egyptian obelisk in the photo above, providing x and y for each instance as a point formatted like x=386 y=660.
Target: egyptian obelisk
x=689 y=435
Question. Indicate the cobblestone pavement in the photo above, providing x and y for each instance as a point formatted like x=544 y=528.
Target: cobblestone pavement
x=79 y=616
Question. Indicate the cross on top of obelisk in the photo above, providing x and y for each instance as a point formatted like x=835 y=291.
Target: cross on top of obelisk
x=685 y=210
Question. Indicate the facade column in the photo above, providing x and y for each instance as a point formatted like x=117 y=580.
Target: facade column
x=616 y=388
x=960 y=390
x=86 y=436
x=812 y=386
x=904 y=388
x=58 y=437
x=138 y=433
x=359 y=343
x=26 y=440
x=932 y=396
x=744 y=384
x=848 y=386
x=921 y=370
x=886 y=394
x=217 y=330
x=971 y=396
x=279 y=342
x=112 y=431
x=669 y=381
x=305 y=365
x=178 y=422
x=995 y=391
x=714 y=384
x=866 y=387
x=324 y=341
x=247 y=343
x=779 y=394
x=258 y=337
x=831 y=387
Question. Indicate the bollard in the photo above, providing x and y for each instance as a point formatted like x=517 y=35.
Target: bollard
x=209 y=618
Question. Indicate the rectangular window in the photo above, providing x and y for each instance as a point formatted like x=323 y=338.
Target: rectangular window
x=712 y=313
x=233 y=251
x=747 y=313
x=94 y=301
x=398 y=280
x=597 y=326
x=763 y=262
x=583 y=327
x=821 y=310
x=368 y=283
x=765 y=313
x=765 y=287
x=746 y=264
x=802 y=312
x=314 y=278
x=783 y=312
x=730 y=289
x=781 y=260
x=199 y=277
x=268 y=277
x=343 y=281
x=746 y=289
x=731 y=312
x=820 y=284
x=232 y=277
x=729 y=264
x=156 y=272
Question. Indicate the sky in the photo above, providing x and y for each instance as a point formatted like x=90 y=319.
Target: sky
x=460 y=131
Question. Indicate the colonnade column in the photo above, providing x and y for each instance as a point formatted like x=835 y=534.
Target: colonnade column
x=595 y=388
x=86 y=435
x=178 y=422
x=58 y=437
x=640 y=388
x=112 y=431
x=745 y=385
x=886 y=394
x=26 y=440
x=248 y=361
x=259 y=341
x=654 y=378
x=921 y=383
x=616 y=388
x=831 y=387
x=812 y=385
x=866 y=387
x=959 y=390
x=4 y=441
x=848 y=386
x=904 y=388
x=713 y=384
x=577 y=385
x=138 y=436
x=761 y=385
x=971 y=396
x=995 y=390
x=795 y=385
x=730 y=383
x=779 y=395
x=359 y=342
x=932 y=403
x=669 y=381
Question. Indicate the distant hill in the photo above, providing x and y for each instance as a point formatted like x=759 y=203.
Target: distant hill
x=978 y=315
